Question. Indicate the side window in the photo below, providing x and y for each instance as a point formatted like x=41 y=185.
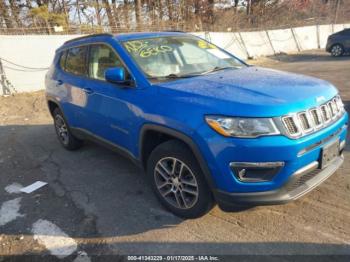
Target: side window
x=63 y=60
x=75 y=62
x=101 y=58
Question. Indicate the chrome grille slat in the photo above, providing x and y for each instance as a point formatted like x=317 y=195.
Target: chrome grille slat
x=316 y=117
x=290 y=124
x=325 y=113
x=305 y=122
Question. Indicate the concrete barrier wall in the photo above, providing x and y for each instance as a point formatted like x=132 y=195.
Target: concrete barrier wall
x=306 y=37
x=231 y=42
x=337 y=27
x=32 y=51
x=257 y=43
x=324 y=32
x=283 y=40
x=37 y=51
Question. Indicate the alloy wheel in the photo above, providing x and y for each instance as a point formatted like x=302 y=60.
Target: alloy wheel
x=61 y=129
x=176 y=183
x=337 y=50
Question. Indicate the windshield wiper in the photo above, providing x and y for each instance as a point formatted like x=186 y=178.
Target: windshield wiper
x=175 y=76
x=217 y=68
x=172 y=76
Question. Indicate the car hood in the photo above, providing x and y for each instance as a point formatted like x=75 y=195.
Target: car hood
x=250 y=91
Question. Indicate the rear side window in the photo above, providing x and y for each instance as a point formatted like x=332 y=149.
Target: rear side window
x=101 y=58
x=63 y=60
x=75 y=61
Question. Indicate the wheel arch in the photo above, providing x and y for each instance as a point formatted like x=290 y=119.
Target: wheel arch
x=52 y=104
x=337 y=43
x=165 y=133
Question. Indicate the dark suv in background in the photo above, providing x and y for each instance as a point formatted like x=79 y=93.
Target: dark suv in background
x=339 y=43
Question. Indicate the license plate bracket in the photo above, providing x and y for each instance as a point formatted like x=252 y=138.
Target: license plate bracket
x=329 y=153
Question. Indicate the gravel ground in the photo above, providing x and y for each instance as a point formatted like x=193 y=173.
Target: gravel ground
x=98 y=203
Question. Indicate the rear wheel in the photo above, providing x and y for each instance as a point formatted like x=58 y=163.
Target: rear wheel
x=337 y=50
x=64 y=135
x=178 y=180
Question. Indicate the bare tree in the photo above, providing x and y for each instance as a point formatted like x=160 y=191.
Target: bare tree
x=138 y=13
x=5 y=15
x=97 y=10
x=110 y=14
x=15 y=13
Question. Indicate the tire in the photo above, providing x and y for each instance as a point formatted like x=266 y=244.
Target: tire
x=183 y=190
x=337 y=50
x=64 y=135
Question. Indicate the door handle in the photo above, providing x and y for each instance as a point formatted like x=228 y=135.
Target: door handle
x=88 y=90
x=59 y=82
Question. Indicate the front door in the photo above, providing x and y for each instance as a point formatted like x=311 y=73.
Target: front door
x=109 y=110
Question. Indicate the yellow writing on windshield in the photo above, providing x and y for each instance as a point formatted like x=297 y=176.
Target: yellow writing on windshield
x=205 y=45
x=135 y=46
x=144 y=49
x=155 y=50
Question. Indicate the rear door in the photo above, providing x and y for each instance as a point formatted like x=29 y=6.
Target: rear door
x=71 y=84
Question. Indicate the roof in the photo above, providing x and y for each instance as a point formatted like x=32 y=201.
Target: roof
x=118 y=37
x=128 y=36
x=140 y=35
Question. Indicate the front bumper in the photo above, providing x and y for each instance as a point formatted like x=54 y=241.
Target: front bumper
x=301 y=182
x=220 y=152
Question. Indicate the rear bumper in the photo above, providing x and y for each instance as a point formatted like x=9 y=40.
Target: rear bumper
x=300 y=183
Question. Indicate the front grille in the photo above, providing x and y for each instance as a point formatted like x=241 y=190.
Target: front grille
x=302 y=123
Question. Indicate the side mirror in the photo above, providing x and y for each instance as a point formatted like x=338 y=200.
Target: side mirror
x=115 y=75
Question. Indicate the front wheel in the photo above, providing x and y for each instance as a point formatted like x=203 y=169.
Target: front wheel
x=178 y=181
x=337 y=50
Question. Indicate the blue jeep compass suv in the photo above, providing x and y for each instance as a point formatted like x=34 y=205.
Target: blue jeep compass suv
x=204 y=125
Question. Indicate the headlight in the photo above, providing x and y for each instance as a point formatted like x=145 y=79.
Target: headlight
x=242 y=127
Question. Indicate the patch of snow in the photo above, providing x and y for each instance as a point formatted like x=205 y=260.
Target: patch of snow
x=53 y=238
x=9 y=211
x=14 y=188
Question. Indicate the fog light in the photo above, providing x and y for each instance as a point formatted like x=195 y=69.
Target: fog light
x=255 y=171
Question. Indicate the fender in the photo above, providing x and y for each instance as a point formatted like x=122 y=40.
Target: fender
x=184 y=138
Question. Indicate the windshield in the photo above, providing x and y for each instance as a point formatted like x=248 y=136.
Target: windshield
x=173 y=57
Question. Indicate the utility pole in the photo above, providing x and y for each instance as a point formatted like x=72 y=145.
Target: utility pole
x=336 y=11
x=4 y=82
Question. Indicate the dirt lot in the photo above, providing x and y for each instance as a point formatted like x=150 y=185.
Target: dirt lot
x=97 y=202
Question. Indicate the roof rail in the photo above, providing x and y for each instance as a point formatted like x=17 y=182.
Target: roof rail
x=175 y=31
x=88 y=36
